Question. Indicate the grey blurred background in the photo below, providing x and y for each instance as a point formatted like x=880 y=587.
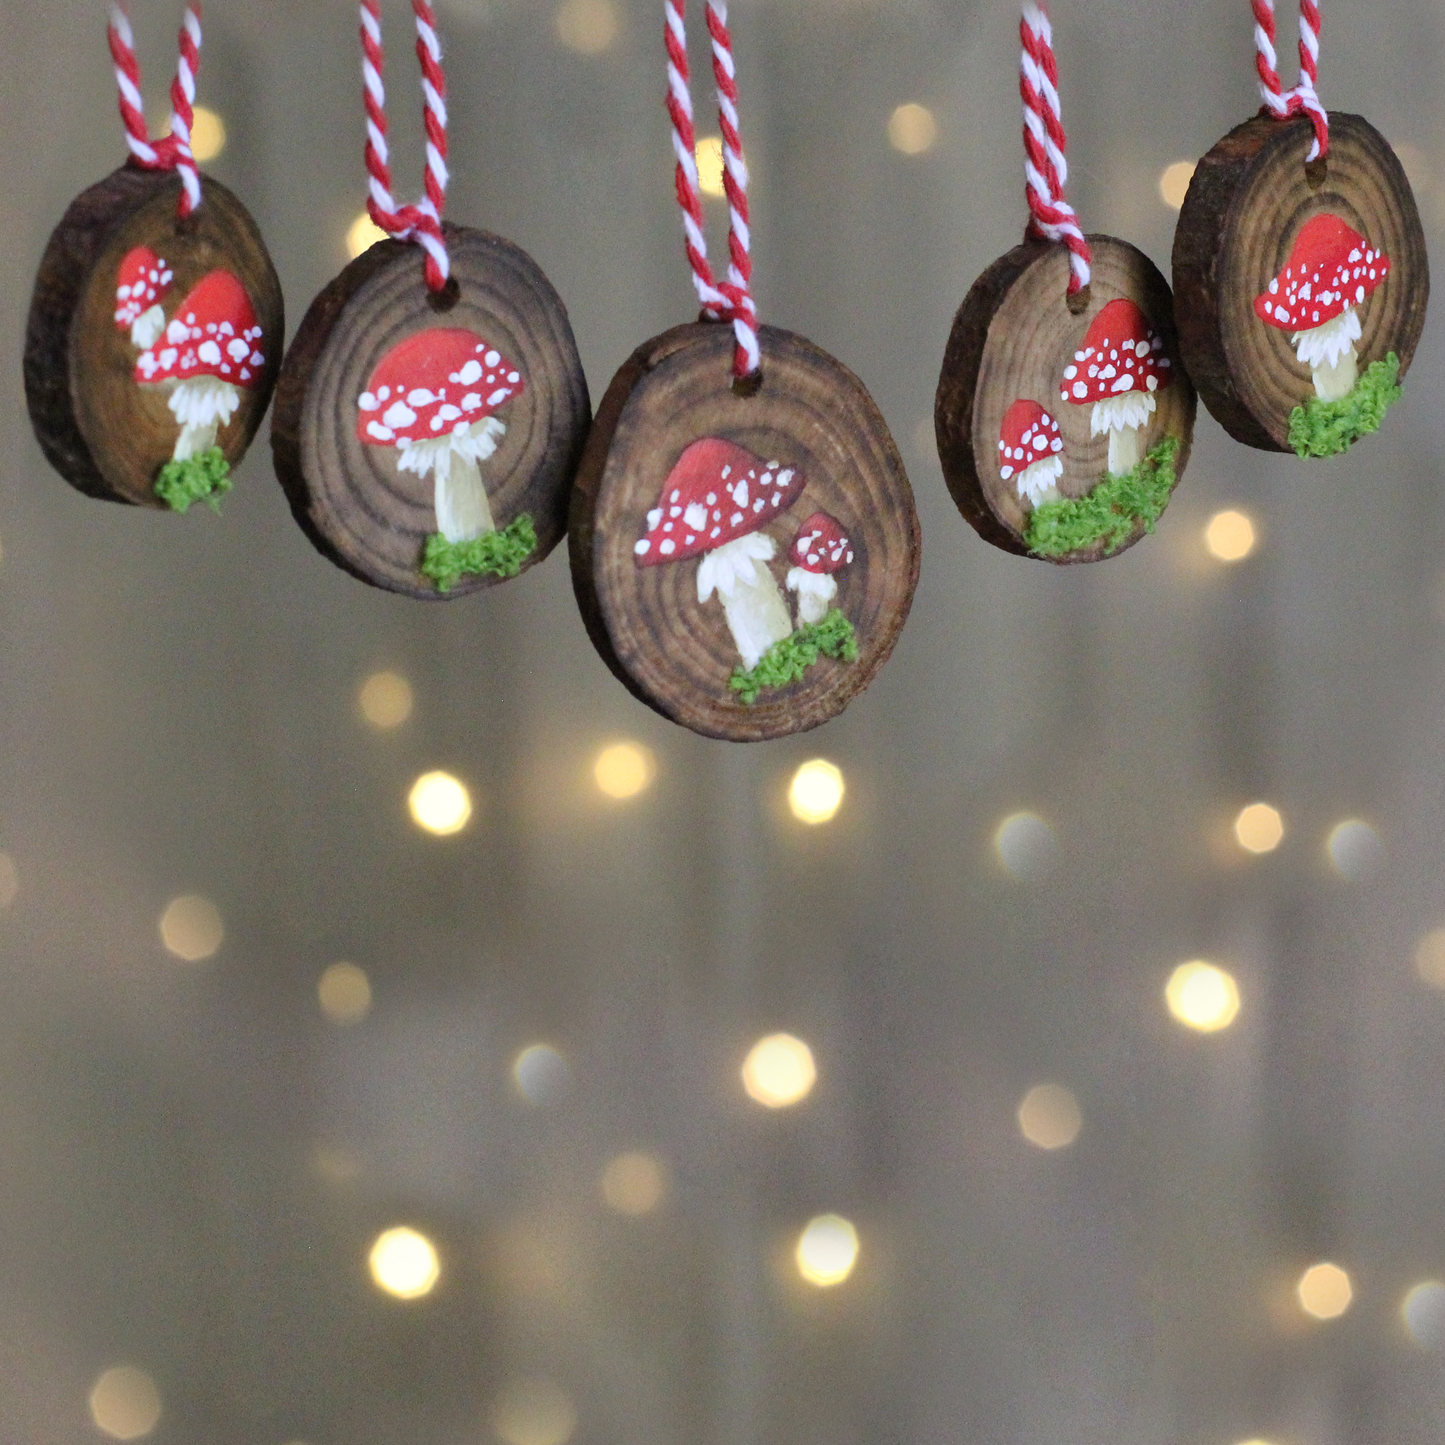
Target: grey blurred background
x=196 y=1157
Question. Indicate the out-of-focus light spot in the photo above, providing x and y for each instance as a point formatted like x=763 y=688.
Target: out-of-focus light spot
x=912 y=129
x=710 y=166
x=1324 y=1291
x=634 y=1183
x=1202 y=996
x=9 y=880
x=534 y=1412
x=1423 y=1309
x=191 y=928
x=404 y=1263
x=1430 y=958
x=385 y=700
x=1259 y=828
x=124 y=1403
x=440 y=803
x=345 y=994
x=1174 y=183
x=1229 y=536
x=827 y=1250
x=1049 y=1117
x=541 y=1074
x=1026 y=847
x=587 y=26
x=816 y=792
x=362 y=235
x=1355 y=850
x=208 y=134
x=335 y=1166
x=623 y=770
x=779 y=1070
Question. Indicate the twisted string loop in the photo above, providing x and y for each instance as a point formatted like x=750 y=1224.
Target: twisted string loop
x=1303 y=99
x=172 y=152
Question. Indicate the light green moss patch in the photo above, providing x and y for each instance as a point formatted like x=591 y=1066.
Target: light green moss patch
x=788 y=660
x=1327 y=428
x=1111 y=513
x=494 y=554
x=205 y=477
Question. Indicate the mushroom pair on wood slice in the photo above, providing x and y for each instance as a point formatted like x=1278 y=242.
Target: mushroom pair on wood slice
x=1088 y=480
x=107 y=417
x=427 y=442
x=1300 y=287
x=698 y=510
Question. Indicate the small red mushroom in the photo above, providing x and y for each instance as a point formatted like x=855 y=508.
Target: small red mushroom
x=715 y=502
x=141 y=285
x=1029 y=445
x=433 y=396
x=1120 y=367
x=209 y=354
x=820 y=549
x=1330 y=272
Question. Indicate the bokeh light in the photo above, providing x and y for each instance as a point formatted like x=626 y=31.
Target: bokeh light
x=1324 y=1291
x=623 y=770
x=124 y=1403
x=540 y=1074
x=385 y=700
x=1423 y=1310
x=440 y=804
x=1202 y=996
x=827 y=1250
x=587 y=26
x=362 y=235
x=1026 y=846
x=208 y=134
x=191 y=928
x=634 y=1183
x=1174 y=183
x=912 y=129
x=1355 y=850
x=404 y=1263
x=709 y=156
x=1049 y=1117
x=816 y=792
x=1430 y=958
x=779 y=1071
x=1229 y=536
x=534 y=1412
x=1259 y=828
x=344 y=992
x=9 y=880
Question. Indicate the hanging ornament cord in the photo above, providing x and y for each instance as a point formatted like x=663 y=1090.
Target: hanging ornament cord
x=730 y=300
x=1051 y=217
x=1303 y=99
x=172 y=152
x=420 y=223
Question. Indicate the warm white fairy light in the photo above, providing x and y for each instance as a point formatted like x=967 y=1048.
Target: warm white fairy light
x=1230 y=536
x=587 y=26
x=1202 y=996
x=208 y=134
x=816 y=792
x=709 y=156
x=827 y=1250
x=404 y=1263
x=1049 y=1117
x=362 y=235
x=912 y=129
x=634 y=1183
x=1174 y=183
x=440 y=804
x=1355 y=850
x=344 y=992
x=779 y=1071
x=623 y=770
x=1259 y=828
x=1324 y=1291
x=534 y=1412
x=124 y=1403
x=191 y=928
x=385 y=700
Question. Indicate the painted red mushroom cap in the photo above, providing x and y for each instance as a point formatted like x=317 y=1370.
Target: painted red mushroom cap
x=142 y=281
x=1121 y=353
x=1331 y=269
x=213 y=333
x=432 y=384
x=821 y=545
x=716 y=492
x=1028 y=435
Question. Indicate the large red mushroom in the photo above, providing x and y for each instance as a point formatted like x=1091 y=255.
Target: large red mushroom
x=142 y=283
x=434 y=397
x=1029 y=445
x=820 y=549
x=715 y=503
x=1119 y=368
x=1330 y=272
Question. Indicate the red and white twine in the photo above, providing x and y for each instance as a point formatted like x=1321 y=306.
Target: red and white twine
x=422 y=222
x=172 y=152
x=730 y=300
x=1303 y=99
x=1051 y=217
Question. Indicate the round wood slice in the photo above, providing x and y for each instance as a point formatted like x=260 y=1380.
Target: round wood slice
x=1013 y=339
x=102 y=431
x=811 y=445
x=1247 y=204
x=350 y=495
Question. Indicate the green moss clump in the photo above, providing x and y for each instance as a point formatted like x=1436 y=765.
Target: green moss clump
x=788 y=660
x=205 y=477
x=493 y=554
x=1111 y=513
x=1327 y=428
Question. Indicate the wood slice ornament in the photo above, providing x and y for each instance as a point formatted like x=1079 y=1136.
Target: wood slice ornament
x=156 y=324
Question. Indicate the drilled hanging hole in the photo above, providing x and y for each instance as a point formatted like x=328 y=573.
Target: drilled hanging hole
x=447 y=297
x=1078 y=301
x=746 y=386
x=1317 y=172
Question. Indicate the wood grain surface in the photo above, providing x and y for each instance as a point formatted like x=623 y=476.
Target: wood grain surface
x=810 y=412
x=1245 y=206
x=103 y=433
x=351 y=499
x=1011 y=340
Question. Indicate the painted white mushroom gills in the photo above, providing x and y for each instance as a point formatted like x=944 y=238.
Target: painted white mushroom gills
x=1029 y=447
x=820 y=549
x=142 y=283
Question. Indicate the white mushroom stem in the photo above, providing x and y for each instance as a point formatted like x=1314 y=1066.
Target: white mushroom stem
x=1329 y=352
x=815 y=591
x=463 y=511
x=1122 y=416
x=756 y=612
x=146 y=329
x=1036 y=481
x=202 y=405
